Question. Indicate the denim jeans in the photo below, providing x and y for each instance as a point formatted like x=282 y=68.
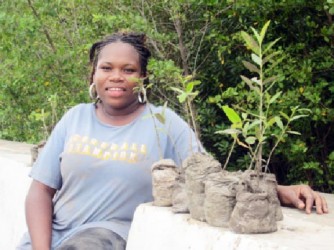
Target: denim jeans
x=94 y=238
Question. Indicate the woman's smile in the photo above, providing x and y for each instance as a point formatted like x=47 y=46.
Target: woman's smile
x=115 y=91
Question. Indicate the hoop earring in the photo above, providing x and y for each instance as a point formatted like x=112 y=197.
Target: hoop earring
x=142 y=98
x=92 y=94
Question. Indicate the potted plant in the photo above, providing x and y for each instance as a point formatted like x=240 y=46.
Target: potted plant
x=198 y=165
x=257 y=207
x=245 y=201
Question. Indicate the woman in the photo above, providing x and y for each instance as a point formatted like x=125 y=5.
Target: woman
x=95 y=168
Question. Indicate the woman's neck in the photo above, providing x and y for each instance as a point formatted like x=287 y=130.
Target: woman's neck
x=119 y=117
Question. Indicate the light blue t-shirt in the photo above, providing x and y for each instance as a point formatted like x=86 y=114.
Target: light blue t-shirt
x=103 y=172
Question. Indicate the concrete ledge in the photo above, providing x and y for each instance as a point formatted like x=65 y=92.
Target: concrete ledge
x=159 y=228
x=14 y=183
x=16 y=151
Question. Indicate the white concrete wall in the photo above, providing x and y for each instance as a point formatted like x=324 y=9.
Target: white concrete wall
x=14 y=183
x=159 y=228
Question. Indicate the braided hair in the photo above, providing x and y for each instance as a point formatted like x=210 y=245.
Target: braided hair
x=137 y=40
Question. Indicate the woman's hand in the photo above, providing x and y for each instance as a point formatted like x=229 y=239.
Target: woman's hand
x=302 y=197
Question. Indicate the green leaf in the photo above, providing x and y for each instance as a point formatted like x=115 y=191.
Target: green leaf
x=274 y=98
x=263 y=140
x=188 y=77
x=271 y=122
x=297 y=117
x=258 y=133
x=267 y=96
x=293 y=132
x=197 y=82
x=256 y=59
x=251 y=67
x=164 y=108
x=177 y=90
x=270 y=45
x=189 y=87
x=279 y=122
x=182 y=97
x=250 y=140
x=254 y=123
x=258 y=38
x=284 y=115
x=251 y=43
x=245 y=129
x=270 y=79
x=160 y=117
x=231 y=115
x=250 y=83
x=331 y=10
x=270 y=56
x=193 y=94
x=304 y=110
x=229 y=131
x=264 y=30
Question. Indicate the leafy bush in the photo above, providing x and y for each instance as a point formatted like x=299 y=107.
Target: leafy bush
x=44 y=53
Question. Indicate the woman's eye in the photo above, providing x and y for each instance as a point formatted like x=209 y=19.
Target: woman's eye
x=106 y=68
x=129 y=70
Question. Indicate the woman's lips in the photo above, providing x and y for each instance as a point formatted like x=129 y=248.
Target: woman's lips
x=115 y=91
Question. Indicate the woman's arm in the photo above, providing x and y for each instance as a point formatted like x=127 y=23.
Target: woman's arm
x=39 y=214
x=302 y=197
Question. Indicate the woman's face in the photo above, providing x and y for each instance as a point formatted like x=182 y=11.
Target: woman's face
x=117 y=67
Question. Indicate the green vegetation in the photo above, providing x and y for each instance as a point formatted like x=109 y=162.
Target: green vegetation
x=44 y=68
x=257 y=123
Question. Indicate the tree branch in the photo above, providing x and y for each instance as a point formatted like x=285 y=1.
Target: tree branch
x=48 y=37
x=182 y=48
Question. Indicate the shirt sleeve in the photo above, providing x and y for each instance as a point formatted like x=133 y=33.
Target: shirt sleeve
x=47 y=166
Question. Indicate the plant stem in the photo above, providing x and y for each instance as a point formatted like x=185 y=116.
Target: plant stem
x=192 y=117
x=156 y=131
x=229 y=154
x=258 y=163
x=278 y=140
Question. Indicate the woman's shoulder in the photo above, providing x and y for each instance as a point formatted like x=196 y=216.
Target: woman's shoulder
x=78 y=111
x=167 y=113
x=79 y=108
x=162 y=110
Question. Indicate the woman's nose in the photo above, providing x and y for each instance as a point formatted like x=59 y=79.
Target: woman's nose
x=116 y=75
